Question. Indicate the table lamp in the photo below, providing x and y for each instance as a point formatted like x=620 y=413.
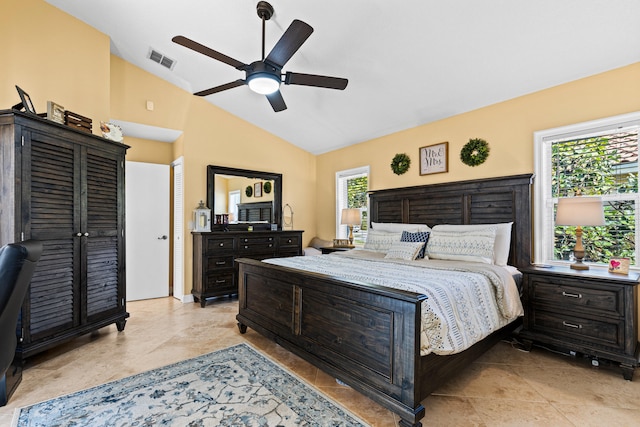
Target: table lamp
x=579 y=211
x=351 y=217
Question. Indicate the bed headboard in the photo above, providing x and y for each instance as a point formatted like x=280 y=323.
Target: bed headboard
x=489 y=200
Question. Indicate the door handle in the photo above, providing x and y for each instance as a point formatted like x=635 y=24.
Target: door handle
x=164 y=237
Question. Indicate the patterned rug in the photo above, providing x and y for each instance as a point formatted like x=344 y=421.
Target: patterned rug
x=237 y=386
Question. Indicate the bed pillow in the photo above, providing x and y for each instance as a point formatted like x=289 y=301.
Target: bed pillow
x=476 y=245
x=419 y=236
x=503 y=237
x=404 y=250
x=391 y=227
x=380 y=241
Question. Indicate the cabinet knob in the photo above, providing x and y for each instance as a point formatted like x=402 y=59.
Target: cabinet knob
x=246 y=247
x=289 y=241
x=79 y=234
x=221 y=244
x=270 y=245
x=86 y=234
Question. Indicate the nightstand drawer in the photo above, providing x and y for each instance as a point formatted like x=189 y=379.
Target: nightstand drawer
x=288 y=241
x=596 y=332
x=584 y=298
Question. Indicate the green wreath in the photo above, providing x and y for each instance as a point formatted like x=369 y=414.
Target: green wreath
x=267 y=187
x=400 y=163
x=248 y=191
x=474 y=152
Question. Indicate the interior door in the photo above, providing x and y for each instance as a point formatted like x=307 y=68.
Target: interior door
x=147 y=235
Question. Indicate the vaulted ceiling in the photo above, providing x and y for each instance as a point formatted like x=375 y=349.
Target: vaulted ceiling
x=408 y=62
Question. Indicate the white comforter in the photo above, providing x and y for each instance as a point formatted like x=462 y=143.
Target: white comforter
x=466 y=301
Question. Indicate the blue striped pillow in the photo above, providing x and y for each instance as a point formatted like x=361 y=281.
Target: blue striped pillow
x=419 y=236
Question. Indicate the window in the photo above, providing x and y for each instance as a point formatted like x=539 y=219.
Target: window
x=351 y=192
x=597 y=158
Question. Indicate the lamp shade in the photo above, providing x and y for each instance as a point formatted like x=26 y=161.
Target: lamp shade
x=583 y=211
x=351 y=216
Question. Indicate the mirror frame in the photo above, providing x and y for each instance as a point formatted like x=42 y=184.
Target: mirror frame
x=212 y=170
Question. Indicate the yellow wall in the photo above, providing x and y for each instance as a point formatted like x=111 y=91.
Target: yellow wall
x=87 y=79
x=507 y=126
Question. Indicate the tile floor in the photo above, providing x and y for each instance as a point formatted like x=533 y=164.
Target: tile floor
x=506 y=387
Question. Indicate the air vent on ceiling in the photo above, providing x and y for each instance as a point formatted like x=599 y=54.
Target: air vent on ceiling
x=156 y=56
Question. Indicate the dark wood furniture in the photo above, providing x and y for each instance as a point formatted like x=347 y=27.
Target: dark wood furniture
x=369 y=336
x=330 y=249
x=214 y=270
x=258 y=211
x=65 y=188
x=592 y=312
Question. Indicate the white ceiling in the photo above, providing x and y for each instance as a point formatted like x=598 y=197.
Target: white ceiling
x=408 y=62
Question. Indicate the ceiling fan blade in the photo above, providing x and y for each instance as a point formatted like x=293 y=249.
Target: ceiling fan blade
x=221 y=88
x=188 y=43
x=297 y=33
x=277 y=101
x=314 y=80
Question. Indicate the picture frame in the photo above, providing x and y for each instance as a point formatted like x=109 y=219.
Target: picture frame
x=257 y=189
x=434 y=158
x=341 y=243
x=55 y=112
x=619 y=265
x=25 y=102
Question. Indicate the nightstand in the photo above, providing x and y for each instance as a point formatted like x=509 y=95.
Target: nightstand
x=592 y=312
x=328 y=249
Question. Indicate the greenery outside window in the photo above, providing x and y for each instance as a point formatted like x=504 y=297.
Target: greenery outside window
x=598 y=158
x=351 y=192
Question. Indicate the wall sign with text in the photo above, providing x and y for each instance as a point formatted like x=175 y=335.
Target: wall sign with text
x=434 y=158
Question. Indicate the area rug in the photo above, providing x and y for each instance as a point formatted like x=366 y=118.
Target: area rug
x=236 y=386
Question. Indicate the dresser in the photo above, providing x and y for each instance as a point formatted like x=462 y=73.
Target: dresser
x=214 y=272
x=65 y=188
x=592 y=312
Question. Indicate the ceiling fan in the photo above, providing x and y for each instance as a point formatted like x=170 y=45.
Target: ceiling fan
x=265 y=76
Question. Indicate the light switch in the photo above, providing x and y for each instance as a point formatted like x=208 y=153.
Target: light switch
x=150 y=105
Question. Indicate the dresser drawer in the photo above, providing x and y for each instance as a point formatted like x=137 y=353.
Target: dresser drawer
x=220 y=283
x=219 y=262
x=289 y=241
x=606 y=299
x=259 y=244
x=218 y=244
x=595 y=331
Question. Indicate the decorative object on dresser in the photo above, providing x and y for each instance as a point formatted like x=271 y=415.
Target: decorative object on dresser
x=592 y=312
x=619 y=265
x=369 y=336
x=55 y=112
x=579 y=211
x=77 y=121
x=65 y=188
x=434 y=158
x=202 y=218
x=214 y=254
x=351 y=217
x=287 y=217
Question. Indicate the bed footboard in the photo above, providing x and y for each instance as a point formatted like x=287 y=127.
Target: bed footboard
x=362 y=334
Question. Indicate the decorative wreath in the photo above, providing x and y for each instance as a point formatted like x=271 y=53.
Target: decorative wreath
x=267 y=187
x=400 y=163
x=474 y=152
x=248 y=191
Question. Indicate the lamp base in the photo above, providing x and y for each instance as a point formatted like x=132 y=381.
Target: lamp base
x=578 y=265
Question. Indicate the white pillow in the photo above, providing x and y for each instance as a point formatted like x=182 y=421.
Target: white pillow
x=503 y=237
x=380 y=241
x=391 y=227
x=476 y=245
x=404 y=250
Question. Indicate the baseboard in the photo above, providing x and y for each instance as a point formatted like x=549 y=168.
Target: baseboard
x=186 y=299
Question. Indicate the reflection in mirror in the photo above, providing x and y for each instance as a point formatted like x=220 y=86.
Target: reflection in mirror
x=238 y=197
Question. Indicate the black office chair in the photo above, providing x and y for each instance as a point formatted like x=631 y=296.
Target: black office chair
x=17 y=263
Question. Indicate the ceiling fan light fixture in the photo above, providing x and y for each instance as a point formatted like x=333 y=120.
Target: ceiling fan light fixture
x=263 y=83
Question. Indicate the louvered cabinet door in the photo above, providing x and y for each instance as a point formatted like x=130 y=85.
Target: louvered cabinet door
x=102 y=184
x=51 y=214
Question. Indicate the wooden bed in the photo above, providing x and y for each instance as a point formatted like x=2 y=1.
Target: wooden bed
x=368 y=336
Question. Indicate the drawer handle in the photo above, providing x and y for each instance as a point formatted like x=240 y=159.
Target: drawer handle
x=571 y=295
x=220 y=263
x=571 y=325
x=220 y=281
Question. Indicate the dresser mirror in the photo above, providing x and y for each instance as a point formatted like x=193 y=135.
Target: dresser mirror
x=241 y=198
